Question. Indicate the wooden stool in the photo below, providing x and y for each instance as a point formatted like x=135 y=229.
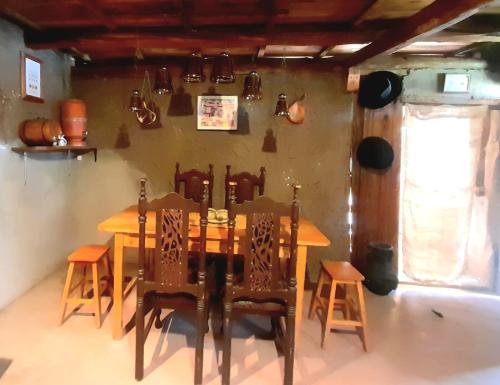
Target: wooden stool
x=345 y=276
x=85 y=256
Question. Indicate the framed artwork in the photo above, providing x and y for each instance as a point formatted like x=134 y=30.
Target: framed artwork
x=456 y=83
x=217 y=112
x=31 y=78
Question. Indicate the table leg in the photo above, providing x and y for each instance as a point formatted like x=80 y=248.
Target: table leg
x=118 y=287
x=301 y=277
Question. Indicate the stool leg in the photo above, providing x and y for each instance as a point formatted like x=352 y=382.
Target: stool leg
x=84 y=277
x=67 y=286
x=316 y=295
x=109 y=277
x=348 y=314
x=97 y=294
x=329 y=313
x=362 y=315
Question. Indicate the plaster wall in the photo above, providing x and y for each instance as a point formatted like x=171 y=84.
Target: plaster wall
x=36 y=230
x=315 y=154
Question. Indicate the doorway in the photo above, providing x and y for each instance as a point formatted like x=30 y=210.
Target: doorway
x=448 y=158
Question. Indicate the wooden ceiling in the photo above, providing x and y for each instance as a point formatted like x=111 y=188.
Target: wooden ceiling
x=151 y=29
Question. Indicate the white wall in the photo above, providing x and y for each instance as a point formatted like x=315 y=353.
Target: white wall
x=35 y=230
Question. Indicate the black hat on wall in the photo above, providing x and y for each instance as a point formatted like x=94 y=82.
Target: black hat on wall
x=379 y=88
x=375 y=152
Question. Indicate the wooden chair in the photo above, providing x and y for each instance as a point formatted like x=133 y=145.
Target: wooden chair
x=193 y=183
x=171 y=283
x=84 y=257
x=246 y=184
x=264 y=288
x=343 y=276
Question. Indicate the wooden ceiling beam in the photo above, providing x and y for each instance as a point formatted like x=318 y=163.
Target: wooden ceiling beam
x=437 y=16
x=391 y=9
x=160 y=20
x=8 y=11
x=187 y=14
x=480 y=23
x=271 y=11
x=95 y=6
x=230 y=38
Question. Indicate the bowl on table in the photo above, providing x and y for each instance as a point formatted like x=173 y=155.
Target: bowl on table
x=217 y=216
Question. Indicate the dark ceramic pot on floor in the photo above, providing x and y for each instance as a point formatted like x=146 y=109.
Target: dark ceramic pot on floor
x=379 y=276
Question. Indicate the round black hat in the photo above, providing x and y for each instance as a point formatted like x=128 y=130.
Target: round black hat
x=375 y=152
x=379 y=88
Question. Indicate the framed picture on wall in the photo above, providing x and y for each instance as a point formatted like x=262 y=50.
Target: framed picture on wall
x=31 y=78
x=217 y=112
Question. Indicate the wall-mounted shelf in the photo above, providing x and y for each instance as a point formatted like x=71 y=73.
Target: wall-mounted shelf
x=77 y=150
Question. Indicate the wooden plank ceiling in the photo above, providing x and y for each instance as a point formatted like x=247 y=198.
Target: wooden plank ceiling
x=153 y=29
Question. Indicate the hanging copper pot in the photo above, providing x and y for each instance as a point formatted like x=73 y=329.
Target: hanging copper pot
x=135 y=101
x=163 y=82
x=281 y=106
x=193 y=72
x=146 y=115
x=252 y=89
x=222 y=71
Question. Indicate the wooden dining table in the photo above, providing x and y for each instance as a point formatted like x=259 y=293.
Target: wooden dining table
x=125 y=227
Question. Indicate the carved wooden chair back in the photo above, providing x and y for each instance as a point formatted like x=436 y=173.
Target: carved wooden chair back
x=170 y=265
x=246 y=184
x=193 y=183
x=260 y=243
x=169 y=275
x=262 y=284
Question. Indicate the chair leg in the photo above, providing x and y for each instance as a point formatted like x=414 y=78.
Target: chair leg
x=207 y=316
x=226 y=352
x=200 y=335
x=329 y=314
x=362 y=315
x=290 y=346
x=315 y=296
x=157 y=317
x=139 y=339
x=97 y=293
x=67 y=286
x=84 y=278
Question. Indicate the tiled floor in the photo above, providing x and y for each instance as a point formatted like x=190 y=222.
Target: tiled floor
x=409 y=345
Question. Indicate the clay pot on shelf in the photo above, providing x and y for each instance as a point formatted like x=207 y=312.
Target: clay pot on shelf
x=74 y=121
x=39 y=132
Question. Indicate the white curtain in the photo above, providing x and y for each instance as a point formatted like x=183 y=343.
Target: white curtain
x=446 y=184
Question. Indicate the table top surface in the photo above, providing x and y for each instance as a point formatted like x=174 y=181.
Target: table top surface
x=126 y=222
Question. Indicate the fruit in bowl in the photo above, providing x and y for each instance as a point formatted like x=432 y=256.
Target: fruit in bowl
x=221 y=215
x=212 y=213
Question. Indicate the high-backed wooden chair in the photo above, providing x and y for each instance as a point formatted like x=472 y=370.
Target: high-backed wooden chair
x=170 y=283
x=246 y=184
x=193 y=183
x=264 y=288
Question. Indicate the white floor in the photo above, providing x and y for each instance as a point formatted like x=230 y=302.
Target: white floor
x=409 y=345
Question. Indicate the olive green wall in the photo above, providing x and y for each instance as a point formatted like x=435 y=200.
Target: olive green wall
x=35 y=223
x=315 y=154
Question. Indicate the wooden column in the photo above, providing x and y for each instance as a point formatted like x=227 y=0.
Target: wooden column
x=376 y=193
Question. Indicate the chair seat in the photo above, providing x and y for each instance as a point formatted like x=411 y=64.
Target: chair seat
x=90 y=254
x=341 y=271
x=263 y=308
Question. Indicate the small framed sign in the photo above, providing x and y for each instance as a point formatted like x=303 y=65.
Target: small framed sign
x=31 y=78
x=456 y=83
x=217 y=112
